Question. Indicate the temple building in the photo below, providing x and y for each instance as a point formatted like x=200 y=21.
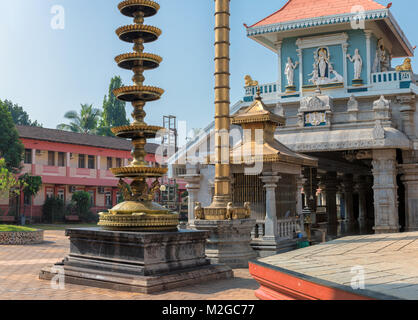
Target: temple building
x=339 y=101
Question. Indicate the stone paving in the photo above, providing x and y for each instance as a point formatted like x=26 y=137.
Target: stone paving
x=20 y=266
x=389 y=261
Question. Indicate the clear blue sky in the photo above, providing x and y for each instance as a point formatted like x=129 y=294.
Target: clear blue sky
x=49 y=72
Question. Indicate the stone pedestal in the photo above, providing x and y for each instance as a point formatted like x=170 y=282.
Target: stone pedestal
x=136 y=262
x=229 y=241
x=385 y=191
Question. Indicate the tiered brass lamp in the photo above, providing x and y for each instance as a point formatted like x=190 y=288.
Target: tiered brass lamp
x=138 y=212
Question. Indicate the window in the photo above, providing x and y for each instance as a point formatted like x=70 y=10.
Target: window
x=90 y=162
x=49 y=193
x=119 y=197
x=61 y=194
x=108 y=199
x=27 y=200
x=81 y=161
x=118 y=162
x=61 y=159
x=28 y=156
x=91 y=193
x=51 y=158
x=109 y=163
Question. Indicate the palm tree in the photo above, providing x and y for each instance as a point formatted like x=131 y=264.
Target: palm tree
x=85 y=122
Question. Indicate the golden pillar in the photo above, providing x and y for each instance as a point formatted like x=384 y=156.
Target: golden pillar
x=221 y=207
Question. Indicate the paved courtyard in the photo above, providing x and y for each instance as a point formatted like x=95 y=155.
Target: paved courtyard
x=20 y=266
x=389 y=263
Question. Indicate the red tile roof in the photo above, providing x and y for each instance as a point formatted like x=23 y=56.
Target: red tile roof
x=54 y=135
x=305 y=9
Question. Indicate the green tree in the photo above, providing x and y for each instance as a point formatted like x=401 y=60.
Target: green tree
x=114 y=113
x=8 y=183
x=30 y=185
x=82 y=205
x=84 y=122
x=19 y=116
x=11 y=148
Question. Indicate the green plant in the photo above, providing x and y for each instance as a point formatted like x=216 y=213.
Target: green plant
x=9 y=186
x=53 y=210
x=82 y=205
x=30 y=185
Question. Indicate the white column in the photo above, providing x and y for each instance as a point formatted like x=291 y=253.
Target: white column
x=193 y=187
x=270 y=180
x=98 y=162
x=33 y=171
x=369 y=58
x=279 y=58
x=385 y=191
x=345 y=47
x=300 y=55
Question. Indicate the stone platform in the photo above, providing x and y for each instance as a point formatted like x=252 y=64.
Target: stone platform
x=229 y=241
x=388 y=263
x=136 y=262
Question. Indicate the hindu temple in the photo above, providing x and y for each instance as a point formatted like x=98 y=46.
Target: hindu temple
x=339 y=122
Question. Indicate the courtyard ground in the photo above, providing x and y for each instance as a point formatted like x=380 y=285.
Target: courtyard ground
x=20 y=266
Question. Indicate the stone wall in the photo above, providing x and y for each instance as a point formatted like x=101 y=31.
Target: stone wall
x=21 y=238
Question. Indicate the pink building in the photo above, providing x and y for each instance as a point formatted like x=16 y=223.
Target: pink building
x=69 y=162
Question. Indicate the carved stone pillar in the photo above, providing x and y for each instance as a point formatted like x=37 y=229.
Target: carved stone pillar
x=348 y=188
x=410 y=180
x=300 y=180
x=270 y=181
x=361 y=188
x=385 y=191
x=330 y=182
x=193 y=187
x=407 y=115
x=310 y=187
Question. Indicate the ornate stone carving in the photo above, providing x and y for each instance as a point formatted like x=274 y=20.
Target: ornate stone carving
x=198 y=211
x=352 y=105
x=381 y=109
x=378 y=131
x=358 y=64
x=289 y=71
x=382 y=59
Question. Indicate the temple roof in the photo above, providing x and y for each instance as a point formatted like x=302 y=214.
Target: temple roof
x=257 y=112
x=255 y=117
x=307 y=9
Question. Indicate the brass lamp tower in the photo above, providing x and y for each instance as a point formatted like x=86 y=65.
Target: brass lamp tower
x=138 y=212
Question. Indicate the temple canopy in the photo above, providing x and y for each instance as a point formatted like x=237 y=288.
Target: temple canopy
x=262 y=146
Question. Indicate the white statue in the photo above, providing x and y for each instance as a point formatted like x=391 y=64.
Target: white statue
x=382 y=61
x=314 y=75
x=337 y=77
x=290 y=71
x=323 y=63
x=358 y=64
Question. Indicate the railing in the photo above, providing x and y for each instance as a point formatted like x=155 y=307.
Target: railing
x=391 y=80
x=267 y=91
x=286 y=228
